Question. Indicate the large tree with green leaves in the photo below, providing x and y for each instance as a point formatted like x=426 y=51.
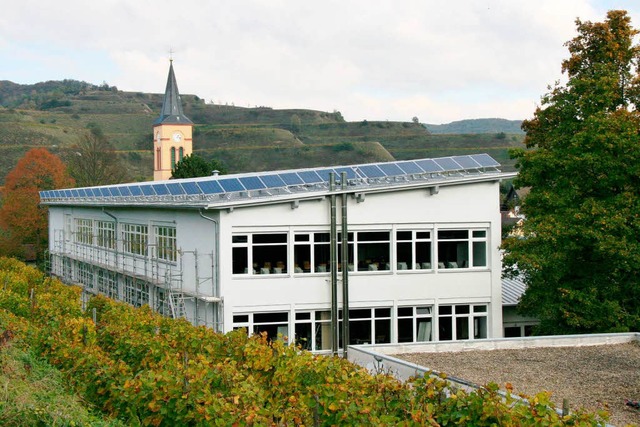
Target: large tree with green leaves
x=194 y=166
x=580 y=247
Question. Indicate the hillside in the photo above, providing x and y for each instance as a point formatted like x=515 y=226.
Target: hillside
x=56 y=114
x=478 y=126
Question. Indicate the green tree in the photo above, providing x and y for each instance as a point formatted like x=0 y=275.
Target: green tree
x=194 y=166
x=580 y=250
x=93 y=161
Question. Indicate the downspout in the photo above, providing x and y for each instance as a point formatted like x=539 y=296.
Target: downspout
x=333 y=265
x=345 y=268
x=218 y=327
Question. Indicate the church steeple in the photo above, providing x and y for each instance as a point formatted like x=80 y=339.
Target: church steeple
x=171 y=112
x=172 y=132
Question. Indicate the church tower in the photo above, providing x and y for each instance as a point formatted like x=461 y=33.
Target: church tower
x=172 y=132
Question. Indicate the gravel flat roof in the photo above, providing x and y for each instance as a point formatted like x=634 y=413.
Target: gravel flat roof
x=592 y=377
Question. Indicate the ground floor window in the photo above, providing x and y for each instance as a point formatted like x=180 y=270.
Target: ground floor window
x=107 y=283
x=518 y=331
x=274 y=324
x=368 y=326
x=136 y=292
x=313 y=330
x=415 y=324
x=462 y=322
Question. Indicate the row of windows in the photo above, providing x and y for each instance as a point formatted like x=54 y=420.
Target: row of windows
x=135 y=238
x=106 y=282
x=312 y=329
x=268 y=253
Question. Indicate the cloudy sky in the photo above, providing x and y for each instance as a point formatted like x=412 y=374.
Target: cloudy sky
x=439 y=60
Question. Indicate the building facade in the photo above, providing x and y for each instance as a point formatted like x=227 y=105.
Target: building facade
x=264 y=251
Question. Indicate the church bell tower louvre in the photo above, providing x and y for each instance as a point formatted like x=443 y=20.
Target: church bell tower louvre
x=172 y=132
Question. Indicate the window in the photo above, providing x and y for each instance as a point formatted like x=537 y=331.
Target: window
x=173 y=158
x=84 y=231
x=373 y=249
x=274 y=324
x=136 y=292
x=311 y=253
x=107 y=283
x=158 y=159
x=180 y=154
x=84 y=274
x=462 y=248
x=462 y=322
x=106 y=234
x=134 y=239
x=313 y=330
x=265 y=253
x=415 y=324
x=368 y=326
x=413 y=250
x=166 y=243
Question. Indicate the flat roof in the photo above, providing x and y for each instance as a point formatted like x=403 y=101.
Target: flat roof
x=220 y=191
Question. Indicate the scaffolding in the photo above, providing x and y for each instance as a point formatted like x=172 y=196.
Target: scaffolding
x=139 y=279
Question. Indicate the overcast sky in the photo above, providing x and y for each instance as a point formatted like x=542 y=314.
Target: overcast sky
x=439 y=60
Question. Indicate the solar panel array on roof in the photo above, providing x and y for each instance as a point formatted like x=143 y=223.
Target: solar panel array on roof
x=365 y=174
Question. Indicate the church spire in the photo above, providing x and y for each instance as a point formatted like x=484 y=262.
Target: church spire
x=171 y=112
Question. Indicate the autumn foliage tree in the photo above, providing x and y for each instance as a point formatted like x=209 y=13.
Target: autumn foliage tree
x=22 y=220
x=580 y=251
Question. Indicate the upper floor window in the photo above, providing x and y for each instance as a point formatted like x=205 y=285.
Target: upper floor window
x=135 y=238
x=106 y=234
x=311 y=253
x=84 y=231
x=166 y=243
x=462 y=248
x=173 y=158
x=413 y=250
x=260 y=253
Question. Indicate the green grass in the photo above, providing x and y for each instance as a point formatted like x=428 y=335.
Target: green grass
x=33 y=393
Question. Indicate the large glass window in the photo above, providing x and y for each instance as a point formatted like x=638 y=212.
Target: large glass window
x=313 y=330
x=462 y=322
x=368 y=326
x=274 y=324
x=166 y=243
x=311 y=253
x=107 y=283
x=413 y=250
x=373 y=249
x=84 y=231
x=134 y=238
x=136 y=292
x=462 y=248
x=415 y=324
x=263 y=253
x=106 y=234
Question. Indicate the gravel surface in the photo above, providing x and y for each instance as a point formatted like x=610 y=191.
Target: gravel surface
x=590 y=377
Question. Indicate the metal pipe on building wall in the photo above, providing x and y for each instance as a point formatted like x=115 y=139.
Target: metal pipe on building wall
x=217 y=314
x=345 y=267
x=333 y=263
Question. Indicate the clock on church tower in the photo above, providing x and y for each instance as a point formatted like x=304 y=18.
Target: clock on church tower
x=172 y=132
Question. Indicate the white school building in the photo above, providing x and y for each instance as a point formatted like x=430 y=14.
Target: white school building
x=264 y=251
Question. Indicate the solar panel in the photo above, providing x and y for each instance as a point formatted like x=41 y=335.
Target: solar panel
x=231 y=184
x=429 y=166
x=485 y=160
x=371 y=171
x=191 y=188
x=114 y=191
x=273 y=181
x=160 y=189
x=291 y=178
x=175 y=189
x=390 y=169
x=135 y=190
x=126 y=191
x=466 y=162
x=409 y=167
x=67 y=193
x=104 y=192
x=351 y=174
x=147 y=190
x=74 y=192
x=448 y=164
x=325 y=173
x=309 y=177
x=252 y=183
x=210 y=187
